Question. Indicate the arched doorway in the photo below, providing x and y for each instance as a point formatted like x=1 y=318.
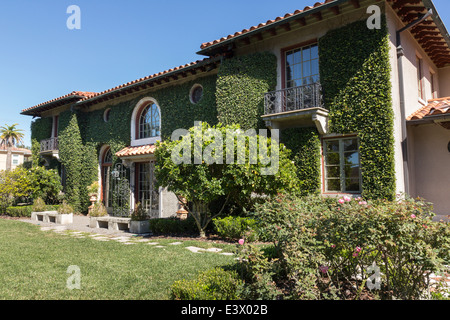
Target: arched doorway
x=105 y=165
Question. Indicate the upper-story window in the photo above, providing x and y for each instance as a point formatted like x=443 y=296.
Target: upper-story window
x=301 y=66
x=419 y=65
x=150 y=122
x=146 y=123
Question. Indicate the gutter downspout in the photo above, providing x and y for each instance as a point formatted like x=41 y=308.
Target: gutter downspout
x=400 y=54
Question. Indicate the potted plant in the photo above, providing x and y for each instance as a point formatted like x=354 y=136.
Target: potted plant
x=93 y=191
x=65 y=214
x=38 y=209
x=139 y=223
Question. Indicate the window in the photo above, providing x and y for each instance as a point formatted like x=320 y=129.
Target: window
x=147 y=193
x=342 y=169
x=15 y=159
x=106 y=115
x=301 y=66
x=420 y=77
x=196 y=93
x=149 y=122
x=433 y=85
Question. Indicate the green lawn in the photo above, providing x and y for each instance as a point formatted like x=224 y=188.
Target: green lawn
x=34 y=263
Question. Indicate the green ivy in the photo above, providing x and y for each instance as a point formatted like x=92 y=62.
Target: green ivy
x=241 y=85
x=305 y=146
x=355 y=76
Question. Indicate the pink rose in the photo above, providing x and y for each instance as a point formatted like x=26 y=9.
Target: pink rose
x=413 y=216
x=241 y=242
x=341 y=201
x=362 y=203
x=358 y=249
x=333 y=246
x=324 y=269
x=347 y=198
x=355 y=254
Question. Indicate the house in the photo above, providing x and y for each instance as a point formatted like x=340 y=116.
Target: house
x=18 y=157
x=359 y=89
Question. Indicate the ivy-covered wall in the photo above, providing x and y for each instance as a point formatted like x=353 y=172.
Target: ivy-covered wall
x=82 y=134
x=355 y=76
x=241 y=85
x=305 y=146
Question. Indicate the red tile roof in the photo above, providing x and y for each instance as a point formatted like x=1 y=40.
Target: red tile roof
x=137 y=151
x=151 y=77
x=261 y=25
x=435 y=107
x=15 y=150
x=75 y=94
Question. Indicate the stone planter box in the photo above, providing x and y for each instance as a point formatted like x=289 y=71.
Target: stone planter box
x=110 y=223
x=140 y=227
x=52 y=217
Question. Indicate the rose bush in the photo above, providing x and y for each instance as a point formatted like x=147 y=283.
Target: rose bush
x=325 y=248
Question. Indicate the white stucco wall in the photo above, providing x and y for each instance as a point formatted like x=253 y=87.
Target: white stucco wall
x=431 y=159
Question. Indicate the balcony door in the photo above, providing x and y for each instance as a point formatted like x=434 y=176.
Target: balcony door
x=301 y=79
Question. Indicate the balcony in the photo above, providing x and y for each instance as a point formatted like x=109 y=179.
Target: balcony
x=50 y=147
x=296 y=107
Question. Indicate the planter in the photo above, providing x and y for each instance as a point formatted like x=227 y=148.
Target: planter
x=52 y=217
x=140 y=227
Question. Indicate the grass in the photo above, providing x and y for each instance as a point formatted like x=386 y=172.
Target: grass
x=34 y=263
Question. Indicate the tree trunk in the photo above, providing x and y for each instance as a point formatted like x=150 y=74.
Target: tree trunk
x=8 y=158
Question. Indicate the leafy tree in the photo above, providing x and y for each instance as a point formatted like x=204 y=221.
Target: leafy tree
x=220 y=164
x=9 y=136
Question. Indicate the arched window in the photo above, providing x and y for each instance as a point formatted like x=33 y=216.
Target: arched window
x=150 y=122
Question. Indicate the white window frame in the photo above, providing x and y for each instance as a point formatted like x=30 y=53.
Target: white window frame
x=135 y=141
x=342 y=176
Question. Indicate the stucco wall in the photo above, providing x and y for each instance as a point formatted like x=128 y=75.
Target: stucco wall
x=444 y=82
x=431 y=160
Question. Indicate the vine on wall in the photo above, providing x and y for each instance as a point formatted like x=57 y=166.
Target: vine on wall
x=355 y=76
x=241 y=85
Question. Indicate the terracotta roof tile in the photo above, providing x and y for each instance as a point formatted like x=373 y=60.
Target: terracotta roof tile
x=434 y=107
x=179 y=68
x=75 y=94
x=137 y=151
x=287 y=15
x=15 y=149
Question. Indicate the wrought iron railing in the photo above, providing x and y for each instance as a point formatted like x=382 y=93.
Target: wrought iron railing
x=292 y=99
x=49 y=145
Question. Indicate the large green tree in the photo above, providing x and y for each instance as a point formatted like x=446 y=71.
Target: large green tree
x=209 y=168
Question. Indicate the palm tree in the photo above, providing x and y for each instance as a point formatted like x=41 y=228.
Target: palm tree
x=9 y=136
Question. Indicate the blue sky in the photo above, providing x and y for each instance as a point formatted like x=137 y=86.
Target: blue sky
x=119 y=41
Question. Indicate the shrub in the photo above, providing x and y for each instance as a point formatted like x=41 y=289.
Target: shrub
x=39 y=205
x=65 y=208
x=173 y=226
x=323 y=248
x=139 y=213
x=234 y=228
x=214 y=284
x=98 y=210
x=20 y=211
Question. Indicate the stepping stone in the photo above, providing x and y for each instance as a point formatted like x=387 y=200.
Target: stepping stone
x=195 y=249
x=160 y=247
x=216 y=250
x=175 y=243
x=152 y=243
x=227 y=254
